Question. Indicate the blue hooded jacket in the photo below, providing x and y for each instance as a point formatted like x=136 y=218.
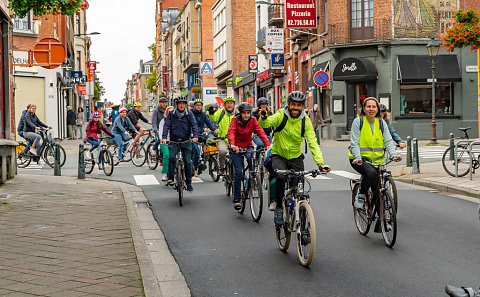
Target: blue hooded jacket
x=180 y=129
x=202 y=120
x=21 y=123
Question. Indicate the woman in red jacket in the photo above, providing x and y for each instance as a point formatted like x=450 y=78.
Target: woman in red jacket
x=240 y=134
x=94 y=128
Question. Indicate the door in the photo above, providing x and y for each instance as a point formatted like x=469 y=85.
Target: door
x=356 y=94
x=361 y=20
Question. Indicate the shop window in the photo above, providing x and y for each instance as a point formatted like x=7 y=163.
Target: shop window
x=361 y=19
x=24 y=24
x=417 y=99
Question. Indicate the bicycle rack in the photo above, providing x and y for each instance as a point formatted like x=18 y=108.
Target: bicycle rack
x=471 y=152
x=457 y=149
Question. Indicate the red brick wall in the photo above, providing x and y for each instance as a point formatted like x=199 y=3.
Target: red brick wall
x=244 y=32
x=207 y=39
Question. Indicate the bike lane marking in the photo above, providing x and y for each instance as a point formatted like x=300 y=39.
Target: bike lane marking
x=146 y=180
x=346 y=174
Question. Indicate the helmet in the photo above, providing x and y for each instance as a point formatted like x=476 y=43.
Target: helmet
x=122 y=109
x=262 y=100
x=181 y=99
x=190 y=103
x=197 y=101
x=244 y=107
x=137 y=104
x=296 y=96
x=95 y=115
x=229 y=98
x=382 y=107
x=163 y=99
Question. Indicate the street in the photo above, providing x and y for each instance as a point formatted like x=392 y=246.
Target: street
x=222 y=253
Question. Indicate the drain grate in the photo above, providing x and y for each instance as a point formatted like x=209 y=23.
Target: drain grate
x=141 y=204
x=3 y=195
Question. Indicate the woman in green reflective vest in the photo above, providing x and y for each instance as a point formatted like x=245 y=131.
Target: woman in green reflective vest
x=369 y=139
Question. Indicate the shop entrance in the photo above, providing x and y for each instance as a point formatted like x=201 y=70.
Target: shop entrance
x=356 y=94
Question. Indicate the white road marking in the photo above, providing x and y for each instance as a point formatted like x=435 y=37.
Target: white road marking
x=146 y=180
x=196 y=180
x=318 y=177
x=346 y=174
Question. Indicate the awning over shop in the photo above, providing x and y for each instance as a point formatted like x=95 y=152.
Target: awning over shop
x=324 y=66
x=355 y=69
x=418 y=68
x=243 y=79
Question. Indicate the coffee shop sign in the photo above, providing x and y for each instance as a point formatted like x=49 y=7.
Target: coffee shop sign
x=351 y=68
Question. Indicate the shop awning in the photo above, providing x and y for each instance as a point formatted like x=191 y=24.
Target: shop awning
x=243 y=79
x=324 y=66
x=355 y=69
x=418 y=68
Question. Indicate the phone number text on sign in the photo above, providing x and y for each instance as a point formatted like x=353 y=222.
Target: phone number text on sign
x=301 y=23
x=300 y=14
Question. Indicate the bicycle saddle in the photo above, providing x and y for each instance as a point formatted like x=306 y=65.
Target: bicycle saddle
x=460 y=292
x=465 y=129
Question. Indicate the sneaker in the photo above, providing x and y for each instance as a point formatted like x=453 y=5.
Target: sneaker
x=121 y=160
x=189 y=188
x=33 y=151
x=195 y=174
x=170 y=183
x=236 y=204
x=278 y=218
x=359 y=201
x=164 y=177
x=272 y=206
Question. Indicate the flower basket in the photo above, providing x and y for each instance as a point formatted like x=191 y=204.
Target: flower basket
x=464 y=31
x=45 y=7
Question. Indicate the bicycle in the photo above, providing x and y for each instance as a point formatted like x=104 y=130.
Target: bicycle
x=127 y=147
x=209 y=155
x=462 y=158
x=298 y=217
x=46 y=151
x=180 y=184
x=154 y=156
x=138 y=155
x=104 y=157
x=380 y=207
x=251 y=188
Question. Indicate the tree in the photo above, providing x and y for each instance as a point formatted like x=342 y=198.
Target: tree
x=99 y=90
x=464 y=31
x=153 y=50
x=152 y=80
x=44 y=7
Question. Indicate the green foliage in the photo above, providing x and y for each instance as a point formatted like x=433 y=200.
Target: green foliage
x=464 y=31
x=44 y=7
x=99 y=90
x=152 y=81
x=129 y=106
x=153 y=50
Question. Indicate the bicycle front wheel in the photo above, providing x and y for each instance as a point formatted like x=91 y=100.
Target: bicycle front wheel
x=22 y=160
x=213 y=168
x=179 y=183
x=283 y=234
x=388 y=219
x=362 y=221
x=152 y=159
x=49 y=155
x=307 y=237
x=107 y=162
x=392 y=189
x=89 y=163
x=112 y=148
x=463 y=161
x=256 y=198
x=138 y=156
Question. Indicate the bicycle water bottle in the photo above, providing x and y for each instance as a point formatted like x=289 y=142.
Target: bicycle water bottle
x=246 y=183
x=292 y=205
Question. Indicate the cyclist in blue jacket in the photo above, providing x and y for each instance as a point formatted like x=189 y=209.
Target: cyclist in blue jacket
x=384 y=114
x=202 y=121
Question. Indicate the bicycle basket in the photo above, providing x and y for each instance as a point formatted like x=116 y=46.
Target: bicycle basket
x=210 y=149
x=109 y=141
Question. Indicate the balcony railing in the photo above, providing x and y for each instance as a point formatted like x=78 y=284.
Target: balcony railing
x=275 y=15
x=261 y=37
x=342 y=33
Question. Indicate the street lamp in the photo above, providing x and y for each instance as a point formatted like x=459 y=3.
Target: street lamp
x=432 y=48
x=86 y=34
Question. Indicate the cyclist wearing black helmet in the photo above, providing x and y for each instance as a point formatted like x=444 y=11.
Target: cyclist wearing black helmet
x=385 y=115
x=262 y=104
x=291 y=125
x=157 y=117
x=180 y=125
x=240 y=136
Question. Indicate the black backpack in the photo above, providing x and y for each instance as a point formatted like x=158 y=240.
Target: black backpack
x=380 y=122
x=284 y=123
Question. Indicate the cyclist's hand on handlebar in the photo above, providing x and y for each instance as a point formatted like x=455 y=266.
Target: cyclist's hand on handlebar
x=164 y=141
x=268 y=147
x=195 y=139
x=397 y=158
x=401 y=145
x=324 y=168
x=357 y=162
x=234 y=148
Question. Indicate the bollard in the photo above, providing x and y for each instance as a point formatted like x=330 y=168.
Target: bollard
x=81 y=162
x=409 y=151
x=415 y=160
x=57 y=171
x=452 y=146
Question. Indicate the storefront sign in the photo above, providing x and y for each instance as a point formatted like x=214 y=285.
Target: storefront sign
x=229 y=83
x=190 y=80
x=300 y=14
x=82 y=90
x=21 y=57
x=277 y=61
x=274 y=41
x=304 y=56
x=253 y=63
x=165 y=78
x=206 y=68
x=471 y=68
x=263 y=76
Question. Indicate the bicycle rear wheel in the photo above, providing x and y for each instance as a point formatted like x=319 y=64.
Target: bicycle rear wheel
x=392 y=189
x=138 y=156
x=388 y=219
x=284 y=235
x=307 y=237
x=463 y=161
x=228 y=178
x=49 y=155
x=152 y=157
x=362 y=221
x=22 y=160
x=112 y=148
x=256 y=198
x=89 y=163
x=107 y=162
x=179 y=183
x=127 y=154
x=213 y=168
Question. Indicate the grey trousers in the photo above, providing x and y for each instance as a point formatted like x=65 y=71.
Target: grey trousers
x=222 y=152
x=33 y=137
x=71 y=131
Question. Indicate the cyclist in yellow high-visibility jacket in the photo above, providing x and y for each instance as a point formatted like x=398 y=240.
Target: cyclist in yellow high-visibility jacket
x=224 y=117
x=369 y=139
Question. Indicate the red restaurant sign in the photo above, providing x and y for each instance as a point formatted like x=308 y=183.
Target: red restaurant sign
x=263 y=76
x=165 y=78
x=301 y=14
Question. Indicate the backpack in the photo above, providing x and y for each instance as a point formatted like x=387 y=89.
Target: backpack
x=380 y=122
x=221 y=116
x=284 y=123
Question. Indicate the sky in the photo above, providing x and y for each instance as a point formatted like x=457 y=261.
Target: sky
x=127 y=28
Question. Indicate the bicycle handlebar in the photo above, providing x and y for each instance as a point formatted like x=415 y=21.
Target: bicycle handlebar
x=390 y=160
x=313 y=172
x=179 y=142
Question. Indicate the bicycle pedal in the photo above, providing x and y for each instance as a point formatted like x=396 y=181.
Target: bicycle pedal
x=378 y=227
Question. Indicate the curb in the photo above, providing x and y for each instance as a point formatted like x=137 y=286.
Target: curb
x=439 y=186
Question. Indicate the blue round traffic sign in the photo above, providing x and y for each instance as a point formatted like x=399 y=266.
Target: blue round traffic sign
x=321 y=78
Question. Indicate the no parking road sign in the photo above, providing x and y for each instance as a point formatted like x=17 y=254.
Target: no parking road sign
x=321 y=78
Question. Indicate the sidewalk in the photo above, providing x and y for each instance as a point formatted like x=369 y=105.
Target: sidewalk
x=62 y=236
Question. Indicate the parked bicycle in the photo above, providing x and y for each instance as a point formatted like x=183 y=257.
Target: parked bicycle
x=462 y=158
x=209 y=159
x=251 y=188
x=380 y=206
x=180 y=184
x=298 y=217
x=103 y=157
x=46 y=152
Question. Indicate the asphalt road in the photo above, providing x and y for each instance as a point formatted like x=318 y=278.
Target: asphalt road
x=222 y=253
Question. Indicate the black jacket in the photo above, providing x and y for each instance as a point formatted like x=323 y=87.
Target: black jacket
x=134 y=116
x=31 y=121
x=71 y=117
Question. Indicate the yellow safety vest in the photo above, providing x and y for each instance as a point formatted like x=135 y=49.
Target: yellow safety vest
x=372 y=147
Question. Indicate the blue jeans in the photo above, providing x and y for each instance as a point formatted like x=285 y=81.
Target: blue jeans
x=186 y=149
x=237 y=161
x=259 y=143
x=120 y=140
x=95 y=144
